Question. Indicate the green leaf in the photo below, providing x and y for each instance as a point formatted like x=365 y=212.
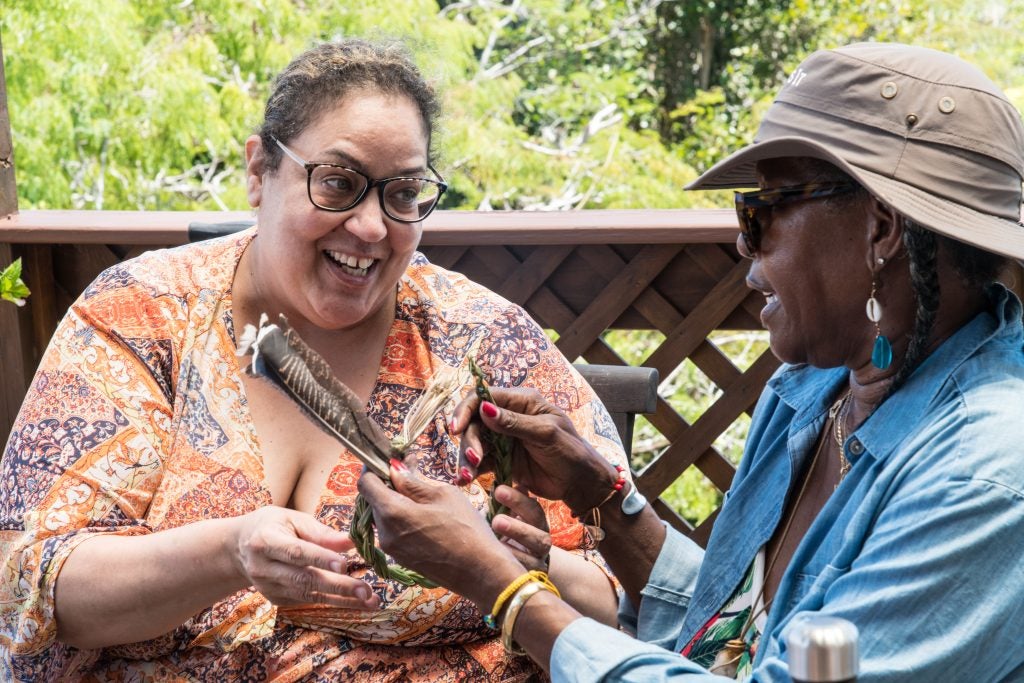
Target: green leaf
x=12 y=288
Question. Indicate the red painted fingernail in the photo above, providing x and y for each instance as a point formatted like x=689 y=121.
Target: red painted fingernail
x=472 y=457
x=451 y=425
x=398 y=465
x=464 y=476
x=489 y=409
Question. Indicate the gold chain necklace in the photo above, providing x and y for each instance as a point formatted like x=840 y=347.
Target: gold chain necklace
x=837 y=413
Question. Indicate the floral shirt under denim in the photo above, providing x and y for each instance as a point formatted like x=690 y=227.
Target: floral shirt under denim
x=920 y=546
x=709 y=647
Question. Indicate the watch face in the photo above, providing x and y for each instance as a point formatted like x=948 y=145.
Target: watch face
x=634 y=501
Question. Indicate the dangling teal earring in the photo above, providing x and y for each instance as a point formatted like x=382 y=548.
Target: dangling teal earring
x=881 y=354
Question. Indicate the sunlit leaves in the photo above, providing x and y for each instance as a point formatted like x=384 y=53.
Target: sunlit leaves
x=11 y=286
x=548 y=104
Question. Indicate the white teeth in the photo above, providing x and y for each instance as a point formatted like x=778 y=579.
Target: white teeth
x=352 y=261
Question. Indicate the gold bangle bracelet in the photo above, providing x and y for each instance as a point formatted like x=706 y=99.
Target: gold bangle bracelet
x=492 y=619
x=512 y=612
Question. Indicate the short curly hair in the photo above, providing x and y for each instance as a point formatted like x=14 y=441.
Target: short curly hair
x=320 y=77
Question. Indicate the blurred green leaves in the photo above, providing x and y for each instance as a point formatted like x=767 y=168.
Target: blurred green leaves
x=11 y=286
x=549 y=104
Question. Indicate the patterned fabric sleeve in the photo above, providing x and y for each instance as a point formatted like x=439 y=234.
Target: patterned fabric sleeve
x=83 y=458
x=518 y=353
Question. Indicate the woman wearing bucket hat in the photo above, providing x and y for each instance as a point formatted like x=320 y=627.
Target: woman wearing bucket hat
x=882 y=480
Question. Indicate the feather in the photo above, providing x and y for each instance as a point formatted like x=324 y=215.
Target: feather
x=300 y=372
x=444 y=387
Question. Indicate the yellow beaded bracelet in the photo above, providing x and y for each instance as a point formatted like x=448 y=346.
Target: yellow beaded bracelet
x=536 y=576
x=514 y=607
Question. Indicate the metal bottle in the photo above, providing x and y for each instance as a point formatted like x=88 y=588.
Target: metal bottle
x=822 y=649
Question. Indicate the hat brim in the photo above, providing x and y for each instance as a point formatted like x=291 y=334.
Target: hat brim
x=985 y=231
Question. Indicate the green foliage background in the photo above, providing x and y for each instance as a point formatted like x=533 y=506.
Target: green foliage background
x=550 y=104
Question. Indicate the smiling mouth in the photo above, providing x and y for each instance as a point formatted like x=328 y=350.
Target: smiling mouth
x=770 y=296
x=353 y=265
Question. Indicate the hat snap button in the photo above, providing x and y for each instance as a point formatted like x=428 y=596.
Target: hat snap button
x=889 y=90
x=947 y=104
x=911 y=120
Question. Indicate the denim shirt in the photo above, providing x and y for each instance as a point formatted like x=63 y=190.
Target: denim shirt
x=921 y=546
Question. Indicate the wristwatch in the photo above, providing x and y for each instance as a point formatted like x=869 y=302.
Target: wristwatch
x=634 y=501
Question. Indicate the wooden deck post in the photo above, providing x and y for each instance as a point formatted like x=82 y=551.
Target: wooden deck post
x=14 y=323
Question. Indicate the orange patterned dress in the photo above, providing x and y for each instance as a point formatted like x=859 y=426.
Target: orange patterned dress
x=137 y=421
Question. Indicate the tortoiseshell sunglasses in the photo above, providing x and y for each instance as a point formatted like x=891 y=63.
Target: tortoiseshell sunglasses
x=754 y=208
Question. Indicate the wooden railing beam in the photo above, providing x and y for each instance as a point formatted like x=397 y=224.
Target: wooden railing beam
x=444 y=228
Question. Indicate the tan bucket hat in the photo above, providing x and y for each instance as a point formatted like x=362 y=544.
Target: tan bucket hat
x=925 y=132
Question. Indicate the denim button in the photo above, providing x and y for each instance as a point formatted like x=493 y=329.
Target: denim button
x=856 y=447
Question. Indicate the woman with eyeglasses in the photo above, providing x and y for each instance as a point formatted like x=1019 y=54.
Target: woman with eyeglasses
x=167 y=517
x=882 y=481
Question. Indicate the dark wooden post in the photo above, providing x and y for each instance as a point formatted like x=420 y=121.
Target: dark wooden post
x=1015 y=278
x=14 y=350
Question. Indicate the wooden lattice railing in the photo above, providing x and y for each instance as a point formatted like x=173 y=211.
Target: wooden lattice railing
x=577 y=273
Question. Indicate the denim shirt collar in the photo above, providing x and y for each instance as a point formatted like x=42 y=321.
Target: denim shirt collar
x=807 y=390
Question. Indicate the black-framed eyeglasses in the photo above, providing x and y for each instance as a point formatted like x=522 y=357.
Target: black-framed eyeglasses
x=754 y=208
x=332 y=187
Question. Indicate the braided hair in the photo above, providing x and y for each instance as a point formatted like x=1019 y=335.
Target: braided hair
x=976 y=268
x=922 y=247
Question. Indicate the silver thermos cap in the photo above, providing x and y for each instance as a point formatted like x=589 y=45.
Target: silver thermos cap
x=822 y=649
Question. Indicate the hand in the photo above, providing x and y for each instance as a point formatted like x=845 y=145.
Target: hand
x=526 y=531
x=432 y=528
x=549 y=457
x=291 y=558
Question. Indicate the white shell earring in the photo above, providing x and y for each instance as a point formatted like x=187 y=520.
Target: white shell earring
x=874 y=309
x=881 y=352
